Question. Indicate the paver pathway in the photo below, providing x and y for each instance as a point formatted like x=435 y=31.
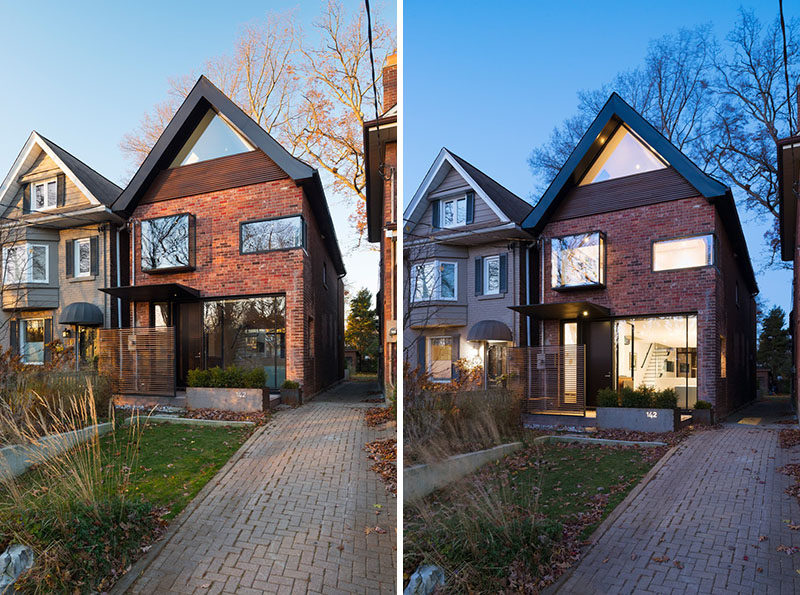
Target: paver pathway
x=289 y=516
x=706 y=509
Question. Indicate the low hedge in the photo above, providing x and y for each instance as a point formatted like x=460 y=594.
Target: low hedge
x=230 y=377
x=642 y=397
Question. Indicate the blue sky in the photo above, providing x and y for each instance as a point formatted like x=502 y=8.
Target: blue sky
x=490 y=83
x=85 y=74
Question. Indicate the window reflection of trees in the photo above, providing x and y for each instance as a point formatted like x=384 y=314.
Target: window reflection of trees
x=165 y=242
x=275 y=234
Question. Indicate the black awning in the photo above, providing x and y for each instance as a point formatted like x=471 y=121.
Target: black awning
x=162 y=292
x=489 y=330
x=82 y=314
x=564 y=310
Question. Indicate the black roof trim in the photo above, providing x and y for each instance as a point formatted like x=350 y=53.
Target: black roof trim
x=101 y=187
x=617 y=111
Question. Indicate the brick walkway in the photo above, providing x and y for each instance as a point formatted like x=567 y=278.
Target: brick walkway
x=705 y=509
x=289 y=515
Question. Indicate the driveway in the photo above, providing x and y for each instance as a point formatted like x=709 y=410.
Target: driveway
x=709 y=521
x=289 y=513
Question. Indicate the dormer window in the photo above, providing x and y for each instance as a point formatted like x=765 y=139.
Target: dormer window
x=44 y=195
x=624 y=154
x=454 y=212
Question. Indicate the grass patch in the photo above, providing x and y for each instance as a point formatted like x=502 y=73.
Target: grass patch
x=135 y=480
x=517 y=523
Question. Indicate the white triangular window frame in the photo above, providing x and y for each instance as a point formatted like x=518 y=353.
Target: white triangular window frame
x=195 y=149
x=623 y=154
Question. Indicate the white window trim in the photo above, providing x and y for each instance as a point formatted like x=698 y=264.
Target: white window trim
x=44 y=183
x=436 y=294
x=454 y=201
x=486 y=260
x=429 y=360
x=76 y=255
x=28 y=266
x=21 y=342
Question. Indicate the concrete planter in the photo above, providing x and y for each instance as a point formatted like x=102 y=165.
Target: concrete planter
x=292 y=396
x=637 y=419
x=246 y=400
x=703 y=416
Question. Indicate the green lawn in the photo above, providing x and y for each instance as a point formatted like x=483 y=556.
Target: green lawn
x=508 y=526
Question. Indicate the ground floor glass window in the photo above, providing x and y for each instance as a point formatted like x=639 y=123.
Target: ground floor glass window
x=440 y=361
x=658 y=352
x=249 y=333
x=31 y=341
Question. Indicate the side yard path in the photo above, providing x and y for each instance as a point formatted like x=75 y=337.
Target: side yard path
x=289 y=515
x=711 y=520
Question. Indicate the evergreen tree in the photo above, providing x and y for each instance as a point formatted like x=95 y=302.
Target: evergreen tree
x=774 y=348
x=361 y=332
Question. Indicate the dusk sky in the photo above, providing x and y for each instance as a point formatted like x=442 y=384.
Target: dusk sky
x=93 y=69
x=490 y=84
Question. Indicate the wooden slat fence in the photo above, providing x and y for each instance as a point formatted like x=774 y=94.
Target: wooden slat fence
x=549 y=379
x=140 y=361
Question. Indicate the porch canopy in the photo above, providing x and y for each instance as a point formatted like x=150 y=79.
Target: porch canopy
x=81 y=314
x=162 y=292
x=563 y=310
x=489 y=330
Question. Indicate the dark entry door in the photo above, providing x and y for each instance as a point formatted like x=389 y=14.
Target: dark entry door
x=599 y=361
x=189 y=339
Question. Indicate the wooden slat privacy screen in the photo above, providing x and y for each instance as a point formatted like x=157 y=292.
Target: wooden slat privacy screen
x=549 y=379
x=140 y=361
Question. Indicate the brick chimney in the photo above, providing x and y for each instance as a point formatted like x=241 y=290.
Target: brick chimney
x=390 y=82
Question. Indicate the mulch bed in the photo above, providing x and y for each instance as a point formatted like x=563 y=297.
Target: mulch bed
x=384 y=453
x=651 y=453
x=259 y=418
x=376 y=416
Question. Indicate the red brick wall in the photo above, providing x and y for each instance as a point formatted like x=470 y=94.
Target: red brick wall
x=633 y=289
x=390 y=82
x=222 y=271
x=389 y=269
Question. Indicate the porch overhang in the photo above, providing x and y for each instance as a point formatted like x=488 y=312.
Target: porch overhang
x=490 y=330
x=161 y=292
x=563 y=310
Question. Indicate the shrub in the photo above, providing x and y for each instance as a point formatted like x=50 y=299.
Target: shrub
x=230 y=377
x=635 y=398
x=666 y=399
x=702 y=405
x=290 y=384
x=607 y=397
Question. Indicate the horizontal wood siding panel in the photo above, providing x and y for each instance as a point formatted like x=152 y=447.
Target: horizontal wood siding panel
x=451 y=181
x=45 y=168
x=226 y=172
x=139 y=361
x=624 y=193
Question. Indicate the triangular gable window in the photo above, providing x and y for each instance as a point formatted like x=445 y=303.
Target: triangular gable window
x=623 y=155
x=212 y=138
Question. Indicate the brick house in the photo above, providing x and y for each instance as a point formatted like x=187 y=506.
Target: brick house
x=232 y=244
x=380 y=151
x=465 y=256
x=641 y=258
x=58 y=236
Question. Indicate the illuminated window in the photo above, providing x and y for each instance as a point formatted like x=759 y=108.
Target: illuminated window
x=440 y=361
x=578 y=261
x=683 y=253
x=624 y=154
x=434 y=281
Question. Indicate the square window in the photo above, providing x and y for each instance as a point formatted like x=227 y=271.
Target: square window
x=434 y=281
x=165 y=243
x=25 y=263
x=455 y=212
x=578 y=260
x=44 y=195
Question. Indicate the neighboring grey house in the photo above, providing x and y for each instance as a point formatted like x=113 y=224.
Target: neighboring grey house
x=465 y=258
x=59 y=240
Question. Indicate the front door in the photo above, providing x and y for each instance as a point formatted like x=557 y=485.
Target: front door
x=189 y=339
x=496 y=355
x=599 y=361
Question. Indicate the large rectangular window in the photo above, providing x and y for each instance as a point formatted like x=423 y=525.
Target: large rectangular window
x=25 y=263
x=31 y=341
x=658 y=352
x=434 y=281
x=683 y=253
x=578 y=260
x=167 y=243
x=440 y=361
x=250 y=333
x=272 y=234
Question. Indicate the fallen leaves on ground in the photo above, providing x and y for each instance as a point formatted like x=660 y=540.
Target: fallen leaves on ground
x=789 y=438
x=660 y=559
x=259 y=418
x=375 y=416
x=789 y=550
x=373 y=400
x=384 y=453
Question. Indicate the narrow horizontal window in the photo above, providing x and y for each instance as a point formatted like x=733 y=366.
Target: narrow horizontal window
x=578 y=260
x=272 y=234
x=683 y=253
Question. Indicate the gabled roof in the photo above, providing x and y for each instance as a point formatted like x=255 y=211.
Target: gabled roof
x=99 y=190
x=204 y=96
x=506 y=205
x=615 y=112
